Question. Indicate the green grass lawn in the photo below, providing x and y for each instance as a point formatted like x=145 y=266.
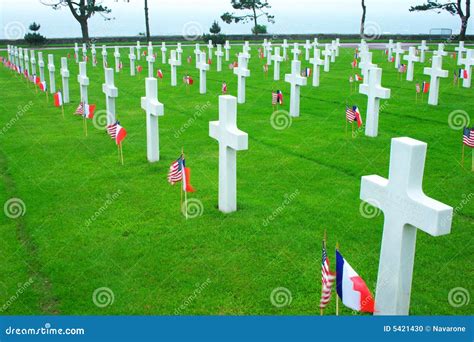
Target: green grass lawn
x=92 y=223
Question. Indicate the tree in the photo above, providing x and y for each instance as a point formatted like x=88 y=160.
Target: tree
x=82 y=10
x=362 y=21
x=259 y=29
x=257 y=9
x=34 y=38
x=216 y=37
x=454 y=7
x=147 y=23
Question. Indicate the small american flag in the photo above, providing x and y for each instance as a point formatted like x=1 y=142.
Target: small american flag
x=80 y=109
x=224 y=88
x=327 y=279
x=350 y=114
x=189 y=59
x=418 y=88
x=277 y=97
x=468 y=137
x=112 y=130
x=402 y=68
x=354 y=63
x=175 y=174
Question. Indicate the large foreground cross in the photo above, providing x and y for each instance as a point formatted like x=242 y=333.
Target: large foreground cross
x=406 y=208
x=231 y=140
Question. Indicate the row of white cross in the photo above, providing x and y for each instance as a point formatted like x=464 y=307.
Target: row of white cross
x=400 y=197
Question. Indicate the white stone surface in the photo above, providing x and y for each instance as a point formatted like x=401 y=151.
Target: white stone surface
x=242 y=73
x=277 y=59
x=83 y=81
x=153 y=109
x=435 y=72
x=65 y=79
x=174 y=63
x=317 y=62
x=111 y=93
x=52 y=70
x=423 y=49
x=132 y=58
x=406 y=209
x=203 y=68
x=296 y=81
x=411 y=58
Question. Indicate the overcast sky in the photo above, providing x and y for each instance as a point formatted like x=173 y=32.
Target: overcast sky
x=176 y=16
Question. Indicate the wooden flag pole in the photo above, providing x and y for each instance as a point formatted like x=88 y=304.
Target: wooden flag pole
x=337 y=296
x=472 y=162
x=352 y=129
x=121 y=152
x=321 y=310
x=462 y=156
x=181 y=191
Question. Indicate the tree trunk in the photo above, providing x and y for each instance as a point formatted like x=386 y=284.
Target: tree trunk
x=255 y=26
x=84 y=30
x=362 y=21
x=147 y=23
x=462 y=33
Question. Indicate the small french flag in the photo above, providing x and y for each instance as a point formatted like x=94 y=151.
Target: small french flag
x=159 y=73
x=89 y=111
x=58 y=99
x=121 y=133
x=351 y=288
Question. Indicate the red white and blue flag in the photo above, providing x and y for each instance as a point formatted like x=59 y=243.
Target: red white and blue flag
x=327 y=279
x=353 y=114
x=180 y=173
x=425 y=87
x=306 y=72
x=463 y=73
x=224 y=88
x=351 y=288
x=159 y=73
x=117 y=132
x=58 y=99
x=468 y=137
x=277 y=97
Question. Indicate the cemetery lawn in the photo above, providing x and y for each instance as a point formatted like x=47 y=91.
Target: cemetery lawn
x=92 y=223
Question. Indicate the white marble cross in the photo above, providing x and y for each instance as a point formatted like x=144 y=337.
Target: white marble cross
x=460 y=50
x=389 y=48
x=65 y=79
x=316 y=61
x=16 y=55
x=203 y=67
x=197 y=54
x=219 y=55
x=296 y=81
x=242 y=73
x=163 y=53
x=296 y=51
x=94 y=55
x=406 y=209
x=139 y=48
x=83 y=83
x=440 y=51
x=333 y=51
x=411 y=58
x=398 y=54
x=435 y=72
x=374 y=92
x=365 y=64
x=132 y=58
x=27 y=61
x=315 y=42
x=307 y=47
x=179 y=52
x=117 y=59
x=285 y=47
x=337 y=45
x=276 y=66
x=150 y=58
x=33 y=62
x=41 y=66
x=76 y=52
x=210 y=46
x=174 y=63
x=423 y=49
x=231 y=140
x=20 y=58
x=84 y=51
x=327 y=57
x=227 y=49
x=111 y=92
x=52 y=70
x=264 y=46
x=468 y=62
x=363 y=45
x=269 y=53
x=104 y=56
x=153 y=109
